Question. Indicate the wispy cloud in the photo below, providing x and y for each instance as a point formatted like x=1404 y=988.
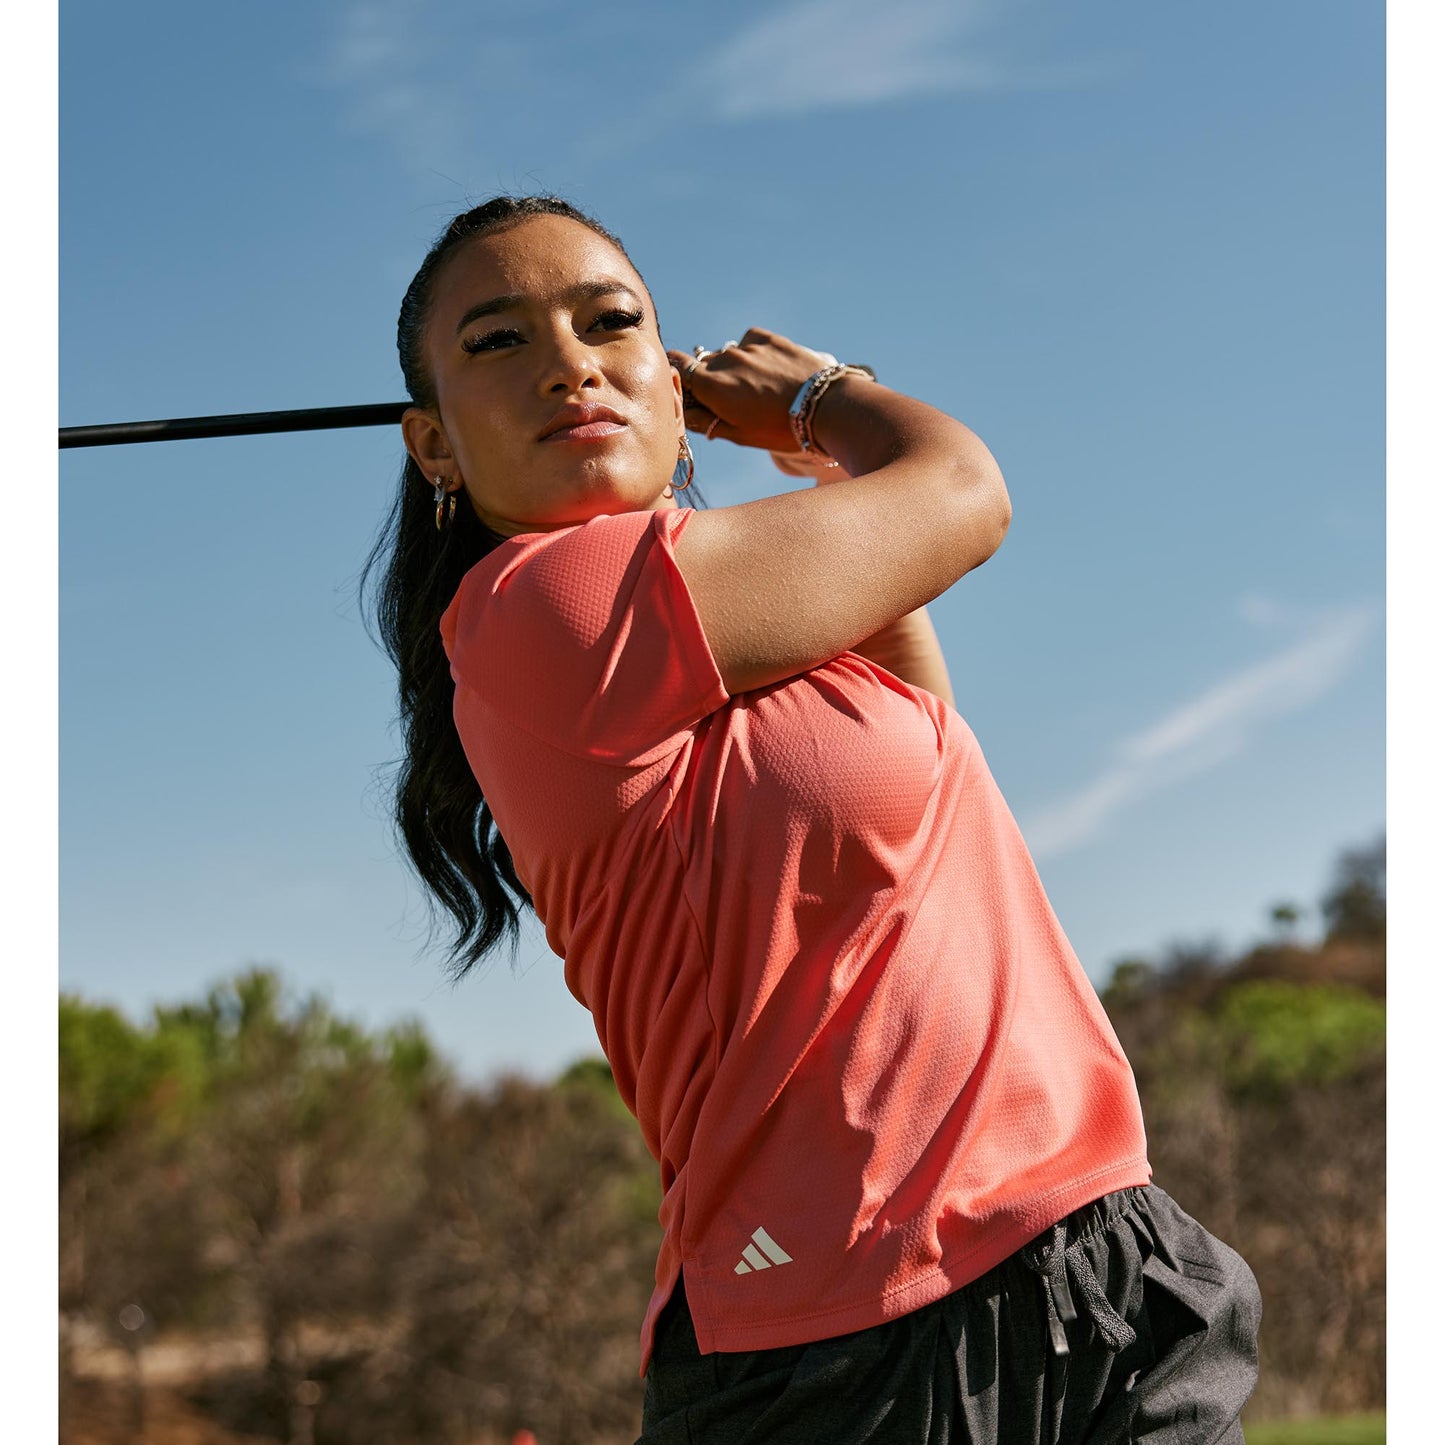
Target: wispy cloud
x=433 y=79
x=377 y=61
x=827 y=54
x=410 y=70
x=1208 y=730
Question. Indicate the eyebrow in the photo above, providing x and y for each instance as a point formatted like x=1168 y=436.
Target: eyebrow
x=587 y=291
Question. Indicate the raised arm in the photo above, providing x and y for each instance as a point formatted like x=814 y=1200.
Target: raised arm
x=788 y=582
x=909 y=649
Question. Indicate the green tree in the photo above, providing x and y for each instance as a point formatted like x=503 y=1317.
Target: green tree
x=1285 y=917
x=305 y=1149
x=1354 y=908
x=531 y=1266
x=248 y=1154
x=1275 y=1035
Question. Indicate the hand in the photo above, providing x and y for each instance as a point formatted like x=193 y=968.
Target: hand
x=747 y=389
x=806 y=464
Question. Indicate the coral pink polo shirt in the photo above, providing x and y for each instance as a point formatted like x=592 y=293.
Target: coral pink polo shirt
x=817 y=952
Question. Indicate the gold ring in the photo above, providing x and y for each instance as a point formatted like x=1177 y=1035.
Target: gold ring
x=712 y=426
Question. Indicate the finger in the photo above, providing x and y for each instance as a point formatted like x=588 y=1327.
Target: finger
x=686 y=363
x=689 y=369
x=695 y=415
x=761 y=336
x=697 y=418
x=704 y=371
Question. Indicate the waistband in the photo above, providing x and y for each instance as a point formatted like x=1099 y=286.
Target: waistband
x=1084 y=1222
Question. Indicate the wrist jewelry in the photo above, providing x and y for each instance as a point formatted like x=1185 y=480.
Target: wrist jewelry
x=805 y=403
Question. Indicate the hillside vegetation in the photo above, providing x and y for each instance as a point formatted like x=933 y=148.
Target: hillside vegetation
x=279 y=1227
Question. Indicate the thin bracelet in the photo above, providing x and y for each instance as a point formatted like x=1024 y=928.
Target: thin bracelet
x=805 y=403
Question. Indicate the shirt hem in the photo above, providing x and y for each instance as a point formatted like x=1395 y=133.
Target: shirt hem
x=952 y=1273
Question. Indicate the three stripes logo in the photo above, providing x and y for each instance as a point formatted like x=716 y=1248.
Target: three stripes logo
x=763 y=1253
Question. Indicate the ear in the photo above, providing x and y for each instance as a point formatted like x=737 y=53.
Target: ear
x=677 y=399
x=427 y=444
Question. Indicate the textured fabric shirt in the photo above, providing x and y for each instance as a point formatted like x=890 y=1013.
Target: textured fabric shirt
x=818 y=955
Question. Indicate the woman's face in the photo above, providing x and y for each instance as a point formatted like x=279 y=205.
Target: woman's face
x=556 y=400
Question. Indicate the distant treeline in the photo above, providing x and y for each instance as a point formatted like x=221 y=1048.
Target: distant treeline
x=1263 y=1084
x=409 y=1259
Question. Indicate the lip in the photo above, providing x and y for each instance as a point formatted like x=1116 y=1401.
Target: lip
x=581 y=423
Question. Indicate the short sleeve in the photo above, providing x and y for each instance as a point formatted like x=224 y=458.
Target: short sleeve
x=588 y=638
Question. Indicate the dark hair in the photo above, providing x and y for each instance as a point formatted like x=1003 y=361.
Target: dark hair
x=444 y=821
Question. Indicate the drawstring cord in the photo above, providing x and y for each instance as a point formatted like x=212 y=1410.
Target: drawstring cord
x=1056 y=1267
x=1049 y=1262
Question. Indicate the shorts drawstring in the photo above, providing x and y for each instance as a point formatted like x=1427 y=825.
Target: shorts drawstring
x=1057 y=1266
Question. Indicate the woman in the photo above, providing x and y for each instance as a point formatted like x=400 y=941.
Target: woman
x=906 y=1195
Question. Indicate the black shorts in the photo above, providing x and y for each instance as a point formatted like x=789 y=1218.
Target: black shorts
x=1126 y=1320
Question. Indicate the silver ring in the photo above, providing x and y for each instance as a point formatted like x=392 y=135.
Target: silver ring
x=727 y=344
x=691 y=367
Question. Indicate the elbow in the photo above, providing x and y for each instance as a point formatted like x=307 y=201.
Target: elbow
x=982 y=499
x=998 y=492
x=993 y=537
x=1000 y=506
x=992 y=505
x=984 y=485
x=1005 y=515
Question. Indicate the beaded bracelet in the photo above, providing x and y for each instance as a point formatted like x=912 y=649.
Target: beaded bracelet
x=805 y=403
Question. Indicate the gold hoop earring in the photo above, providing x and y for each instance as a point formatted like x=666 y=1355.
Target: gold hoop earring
x=447 y=500
x=684 y=463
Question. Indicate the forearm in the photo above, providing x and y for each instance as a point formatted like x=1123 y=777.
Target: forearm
x=866 y=427
x=871 y=429
x=880 y=428
x=909 y=649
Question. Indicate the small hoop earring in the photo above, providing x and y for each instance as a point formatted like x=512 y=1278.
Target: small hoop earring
x=447 y=500
x=684 y=463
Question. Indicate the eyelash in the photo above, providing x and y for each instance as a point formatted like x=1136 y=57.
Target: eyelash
x=474 y=344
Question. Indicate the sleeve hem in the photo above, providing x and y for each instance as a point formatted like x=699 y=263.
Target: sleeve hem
x=699 y=655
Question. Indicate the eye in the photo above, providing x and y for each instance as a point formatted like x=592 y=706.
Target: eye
x=618 y=320
x=490 y=341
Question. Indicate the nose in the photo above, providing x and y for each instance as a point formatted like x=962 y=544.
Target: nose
x=571 y=365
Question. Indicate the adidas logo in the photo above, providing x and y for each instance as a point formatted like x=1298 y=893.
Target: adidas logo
x=763 y=1253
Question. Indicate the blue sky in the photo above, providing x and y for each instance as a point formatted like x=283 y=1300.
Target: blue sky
x=1140 y=250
